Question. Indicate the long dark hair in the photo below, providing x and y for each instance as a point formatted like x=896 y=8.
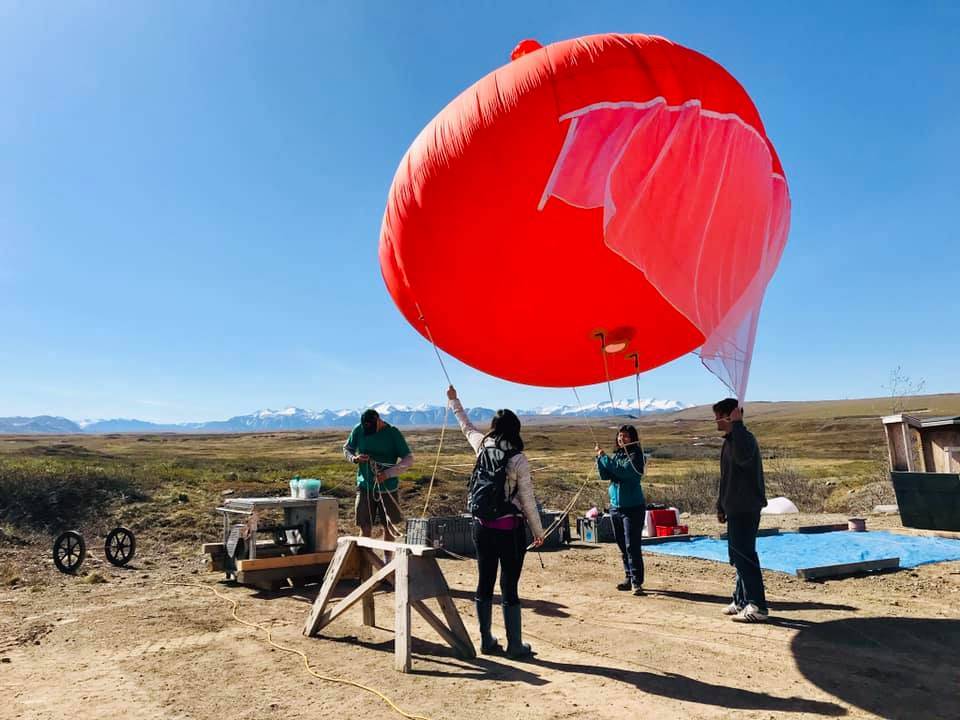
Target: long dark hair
x=634 y=450
x=505 y=425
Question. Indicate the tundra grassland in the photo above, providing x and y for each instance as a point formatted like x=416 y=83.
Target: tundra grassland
x=825 y=456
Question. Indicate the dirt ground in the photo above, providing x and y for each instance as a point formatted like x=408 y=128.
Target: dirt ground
x=138 y=645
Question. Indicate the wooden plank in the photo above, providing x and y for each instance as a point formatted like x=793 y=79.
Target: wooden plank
x=366 y=587
x=426 y=573
x=668 y=538
x=825 y=571
x=366 y=570
x=437 y=624
x=401 y=651
x=949 y=534
x=907 y=448
x=351 y=566
x=318 y=558
x=373 y=544
x=464 y=646
x=325 y=532
x=344 y=552
x=448 y=636
x=832 y=527
x=213 y=548
x=257 y=577
x=426 y=580
x=377 y=563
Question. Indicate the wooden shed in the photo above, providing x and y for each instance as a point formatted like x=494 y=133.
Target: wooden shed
x=925 y=469
x=923 y=444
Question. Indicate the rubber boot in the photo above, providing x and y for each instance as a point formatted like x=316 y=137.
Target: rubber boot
x=488 y=643
x=516 y=648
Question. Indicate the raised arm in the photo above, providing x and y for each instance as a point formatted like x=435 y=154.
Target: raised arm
x=470 y=432
x=617 y=468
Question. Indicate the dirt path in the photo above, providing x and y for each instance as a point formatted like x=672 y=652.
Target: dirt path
x=138 y=647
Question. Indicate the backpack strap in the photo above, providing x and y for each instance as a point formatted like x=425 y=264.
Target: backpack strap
x=507 y=455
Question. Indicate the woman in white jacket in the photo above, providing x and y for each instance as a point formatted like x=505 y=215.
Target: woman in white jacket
x=501 y=540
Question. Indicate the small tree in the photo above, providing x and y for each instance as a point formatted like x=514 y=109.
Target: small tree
x=902 y=389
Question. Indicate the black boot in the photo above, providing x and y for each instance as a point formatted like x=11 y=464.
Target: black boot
x=516 y=648
x=488 y=643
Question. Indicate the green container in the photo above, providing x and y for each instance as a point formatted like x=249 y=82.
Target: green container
x=928 y=501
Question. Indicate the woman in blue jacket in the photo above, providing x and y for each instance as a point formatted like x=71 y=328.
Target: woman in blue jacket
x=624 y=470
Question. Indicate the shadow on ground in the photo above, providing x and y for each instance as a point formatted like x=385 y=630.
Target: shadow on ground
x=774 y=605
x=893 y=667
x=670 y=685
x=547 y=608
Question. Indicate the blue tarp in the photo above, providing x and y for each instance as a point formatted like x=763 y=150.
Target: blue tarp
x=788 y=551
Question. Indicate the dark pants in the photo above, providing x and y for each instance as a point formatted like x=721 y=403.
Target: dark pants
x=628 y=530
x=503 y=548
x=742 y=546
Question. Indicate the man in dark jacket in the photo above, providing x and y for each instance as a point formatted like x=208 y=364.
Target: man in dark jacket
x=739 y=500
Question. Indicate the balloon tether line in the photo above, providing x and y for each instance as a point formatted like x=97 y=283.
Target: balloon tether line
x=446 y=413
x=606 y=371
x=636 y=376
x=433 y=342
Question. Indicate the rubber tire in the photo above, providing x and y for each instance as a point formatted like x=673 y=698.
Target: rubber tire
x=62 y=540
x=120 y=561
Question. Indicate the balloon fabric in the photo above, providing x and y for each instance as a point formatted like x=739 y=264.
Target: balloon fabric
x=611 y=194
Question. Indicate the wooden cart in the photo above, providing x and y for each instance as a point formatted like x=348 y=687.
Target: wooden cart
x=258 y=550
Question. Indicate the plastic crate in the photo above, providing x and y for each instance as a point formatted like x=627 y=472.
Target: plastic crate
x=666 y=518
x=669 y=530
x=596 y=530
x=454 y=533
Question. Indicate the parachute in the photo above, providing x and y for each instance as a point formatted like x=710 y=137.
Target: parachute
x=619 y=187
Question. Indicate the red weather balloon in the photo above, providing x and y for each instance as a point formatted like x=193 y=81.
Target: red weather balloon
x=614 y=184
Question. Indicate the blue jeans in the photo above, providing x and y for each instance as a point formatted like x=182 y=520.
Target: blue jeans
x=628 y=530
x=742 y=546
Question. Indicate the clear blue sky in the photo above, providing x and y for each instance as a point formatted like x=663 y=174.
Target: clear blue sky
x=191 y=196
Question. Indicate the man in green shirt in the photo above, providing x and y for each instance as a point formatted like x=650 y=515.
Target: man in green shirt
x=381 y=455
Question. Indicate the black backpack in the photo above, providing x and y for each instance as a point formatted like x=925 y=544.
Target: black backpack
x=486 y=495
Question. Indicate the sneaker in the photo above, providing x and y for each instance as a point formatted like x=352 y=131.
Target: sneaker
x=625 y=585
x=638 y=590
x=750 y=614
x=732 y=609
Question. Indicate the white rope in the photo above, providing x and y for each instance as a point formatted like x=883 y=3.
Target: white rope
x=436 y=463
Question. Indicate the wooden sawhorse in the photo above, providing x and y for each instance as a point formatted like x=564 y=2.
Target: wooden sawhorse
x=415 y=576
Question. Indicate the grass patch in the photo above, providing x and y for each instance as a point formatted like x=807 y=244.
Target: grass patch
x=10 y=574
x=169 y=485
x=46 y=495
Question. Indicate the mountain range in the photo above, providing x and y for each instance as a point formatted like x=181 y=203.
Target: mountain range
x=293 y=418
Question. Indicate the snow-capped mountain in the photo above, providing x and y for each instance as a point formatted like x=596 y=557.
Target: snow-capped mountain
x=42 y=424
x=618 y=407
x=294 y=418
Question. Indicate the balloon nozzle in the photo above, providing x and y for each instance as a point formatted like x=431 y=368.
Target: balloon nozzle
x=611 y=346
x=525 y=47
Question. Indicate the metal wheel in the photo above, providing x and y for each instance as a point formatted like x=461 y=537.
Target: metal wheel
x=120 y=546
x=69 y=550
